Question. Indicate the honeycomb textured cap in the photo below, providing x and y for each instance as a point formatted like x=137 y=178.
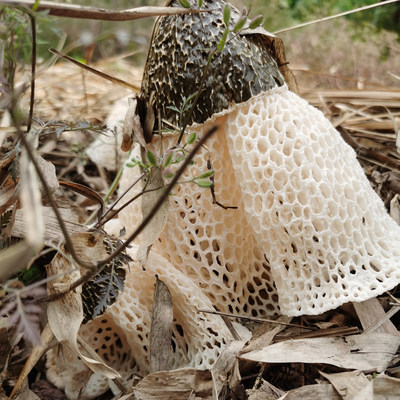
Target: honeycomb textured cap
x=325 y=232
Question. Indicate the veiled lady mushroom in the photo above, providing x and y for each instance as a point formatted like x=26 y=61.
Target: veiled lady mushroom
x=307 y=233
x=307 y=222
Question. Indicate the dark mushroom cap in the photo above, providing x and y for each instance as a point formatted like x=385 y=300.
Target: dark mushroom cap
x=178 y=54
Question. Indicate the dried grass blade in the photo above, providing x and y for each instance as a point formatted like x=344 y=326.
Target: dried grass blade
x=96 y=72
x=356 y=10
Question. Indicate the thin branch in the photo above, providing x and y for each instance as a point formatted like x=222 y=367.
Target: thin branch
x=383 y=3
x=82 y=12
x=255 y=319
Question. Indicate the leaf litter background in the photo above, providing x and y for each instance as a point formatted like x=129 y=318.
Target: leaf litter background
x=351 y=353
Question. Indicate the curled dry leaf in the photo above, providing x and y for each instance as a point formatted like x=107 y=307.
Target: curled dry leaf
x=161 y=329
x=65 y=314
x=132 y=130
x=156 y=225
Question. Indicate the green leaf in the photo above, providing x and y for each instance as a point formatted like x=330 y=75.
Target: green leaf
x=200 y=3
x=191 y=138
x=206 y=174
x=227 y=15
x=204 y=183
x=221 y=44
x=184 y=3
x=168 y=159
x=179 y=158
x=256 y=22
x=151 y=158
x=168 y=174
x=130 y=165
x=240 y=24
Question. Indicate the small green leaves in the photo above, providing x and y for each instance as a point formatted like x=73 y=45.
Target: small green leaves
x=168 y=159
x=204 y=183
x=191 y=138
x=240 y=24
x=184 y=3
x=256 y=22
x=227 y=15
x=200 y=3
x=206 y=174
x=151 y=158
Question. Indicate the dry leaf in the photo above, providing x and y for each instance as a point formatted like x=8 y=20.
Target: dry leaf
x=15 y=258
x=386 y=387
x=65 y=315
x=373 y=317
x=395 y=208
x=161 y=358
x=352 y=385
x=312 y=392
x=269 y=332
x=371 y=352
x=31 y=198
x=153 y=229
x=224 y=365
x=265 y=392
x=132 y=130
x=176 y=385
x=53 y=234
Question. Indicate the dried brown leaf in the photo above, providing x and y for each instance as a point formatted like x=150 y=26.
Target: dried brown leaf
x=132 y=130
x=352 y=385
x=65 y=314
x=313 y=392
x=224 y=365
x=178 y=385
x=153 y=229
x=386 y=387
x=366 y=352
x=53 y=234
x=15 y=258
x=161 y=358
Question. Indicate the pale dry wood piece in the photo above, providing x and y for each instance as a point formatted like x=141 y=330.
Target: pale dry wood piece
x=352 y=385
x=312 y=392
x=161 y=358
x=177 y=385
x=369 y=312
x=77 y=11
x=372 y=352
